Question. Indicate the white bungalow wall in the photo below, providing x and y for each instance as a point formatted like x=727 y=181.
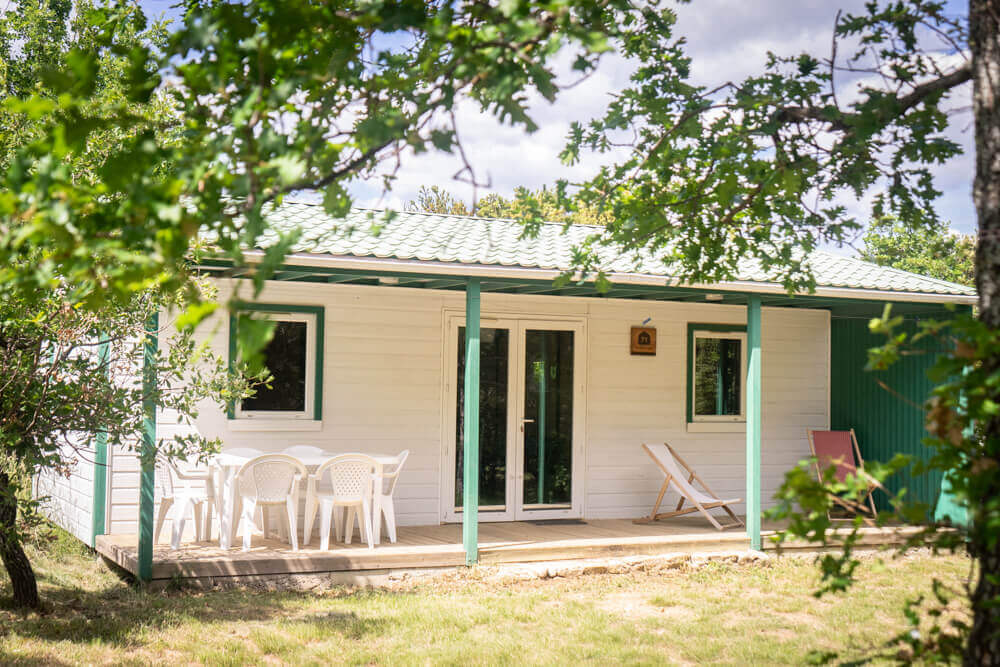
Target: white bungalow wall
x=384 y=359
x=67 y=500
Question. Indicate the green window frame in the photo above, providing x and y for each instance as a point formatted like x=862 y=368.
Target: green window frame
x=273 y=309
x=693 y=329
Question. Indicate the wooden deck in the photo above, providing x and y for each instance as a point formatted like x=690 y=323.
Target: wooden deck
x=438 y=546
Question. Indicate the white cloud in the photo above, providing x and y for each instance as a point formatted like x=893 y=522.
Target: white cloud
x=726 y=39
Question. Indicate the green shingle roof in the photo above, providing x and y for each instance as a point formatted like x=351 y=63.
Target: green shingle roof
x=496 y=242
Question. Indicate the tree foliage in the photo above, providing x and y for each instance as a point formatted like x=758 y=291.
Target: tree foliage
x=273 y=97
x=70 y=373
x=759 y=168
x=542 y=205
x=933 y=251
x=269 y=105
x=127 y=151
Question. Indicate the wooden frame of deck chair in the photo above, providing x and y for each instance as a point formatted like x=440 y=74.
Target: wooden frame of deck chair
x=676 y=469
x=833 y=449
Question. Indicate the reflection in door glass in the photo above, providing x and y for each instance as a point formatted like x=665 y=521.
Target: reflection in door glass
x=493 y=358
x=548 y=414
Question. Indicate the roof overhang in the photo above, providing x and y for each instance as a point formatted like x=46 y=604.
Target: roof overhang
x=456 y=269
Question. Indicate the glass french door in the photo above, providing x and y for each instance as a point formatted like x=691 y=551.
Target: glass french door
x=547 y=423
x=529 y=399
x=494 y=390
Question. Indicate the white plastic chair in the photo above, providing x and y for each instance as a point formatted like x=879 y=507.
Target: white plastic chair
x=267 y=481
x=384 y=508
x=178 y=498
x=224 y=495
x=351 y=484
x=306 y=452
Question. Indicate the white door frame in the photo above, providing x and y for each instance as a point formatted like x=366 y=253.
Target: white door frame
x=453 y=322
x=517 y=325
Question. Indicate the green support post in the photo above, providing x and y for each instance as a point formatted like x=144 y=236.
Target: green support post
x=753 y=422
x=147 y=475
x=99 y=500
x=470 y=499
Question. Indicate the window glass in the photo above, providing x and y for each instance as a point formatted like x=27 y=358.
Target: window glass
x=285 y=358
x=718 y=376
x=494 y=353
x=548 y=410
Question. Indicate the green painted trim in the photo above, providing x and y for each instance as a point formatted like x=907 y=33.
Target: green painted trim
x=844 y=306
x=99 y=498
x=470 y=484
x=318 y=311
x=886 y=422
x=233 y=354
x=754 y=396
x=147 y=474
x=691 y=328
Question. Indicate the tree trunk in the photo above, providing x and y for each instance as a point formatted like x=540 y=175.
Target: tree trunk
x=22 y=577
x=984 y=41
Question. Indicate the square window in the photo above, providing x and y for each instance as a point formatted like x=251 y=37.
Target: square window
x=293 y=359
x=718 y=375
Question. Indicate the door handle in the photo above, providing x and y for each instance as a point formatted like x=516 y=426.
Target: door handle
x=526 y=421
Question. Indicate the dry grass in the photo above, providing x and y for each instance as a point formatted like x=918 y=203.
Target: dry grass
x=729 y=614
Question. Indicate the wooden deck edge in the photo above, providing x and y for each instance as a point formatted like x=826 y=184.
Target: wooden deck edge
x=280 y=565
x=121 y=556
x=357 y=565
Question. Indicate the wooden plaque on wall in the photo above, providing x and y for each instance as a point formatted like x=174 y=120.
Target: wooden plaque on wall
x=643 y=340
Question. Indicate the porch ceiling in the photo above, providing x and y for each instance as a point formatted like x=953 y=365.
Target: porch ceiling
x=838 y=306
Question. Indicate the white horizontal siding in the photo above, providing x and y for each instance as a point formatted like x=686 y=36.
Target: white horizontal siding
x=123 y=496
x=636 y=399
x=381 y=394
x=383 y=375
x=67 y=499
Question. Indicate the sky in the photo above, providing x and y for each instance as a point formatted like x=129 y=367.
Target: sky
x=727 y=40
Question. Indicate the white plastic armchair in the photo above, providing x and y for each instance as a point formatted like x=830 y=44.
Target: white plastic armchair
x=384 y=508
x=270 y=480
x=351 y=486
x=183 y=492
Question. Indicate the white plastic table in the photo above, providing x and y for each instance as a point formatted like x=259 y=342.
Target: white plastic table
x=229 y=463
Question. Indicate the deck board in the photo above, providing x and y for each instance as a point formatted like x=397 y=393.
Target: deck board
x=436 y=546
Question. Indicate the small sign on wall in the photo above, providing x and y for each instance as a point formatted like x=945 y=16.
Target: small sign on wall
x=643 y=340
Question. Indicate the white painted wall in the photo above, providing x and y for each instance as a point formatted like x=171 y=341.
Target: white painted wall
x=67 y=500
x=636 y=399
x=383 y=371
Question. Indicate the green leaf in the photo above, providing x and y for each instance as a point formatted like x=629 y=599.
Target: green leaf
x=336 y=201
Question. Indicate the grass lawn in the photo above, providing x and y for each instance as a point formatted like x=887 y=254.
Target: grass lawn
x=763 y=614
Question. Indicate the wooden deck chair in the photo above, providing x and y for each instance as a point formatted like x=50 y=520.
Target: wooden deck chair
x=681 y=475
x=840 y=448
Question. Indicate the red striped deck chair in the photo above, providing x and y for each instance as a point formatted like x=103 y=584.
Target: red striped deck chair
x=840 y=448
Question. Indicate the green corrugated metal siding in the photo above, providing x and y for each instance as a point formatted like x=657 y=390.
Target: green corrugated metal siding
x=885 y=423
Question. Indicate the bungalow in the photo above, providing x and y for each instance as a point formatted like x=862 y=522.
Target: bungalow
x=373 y=344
